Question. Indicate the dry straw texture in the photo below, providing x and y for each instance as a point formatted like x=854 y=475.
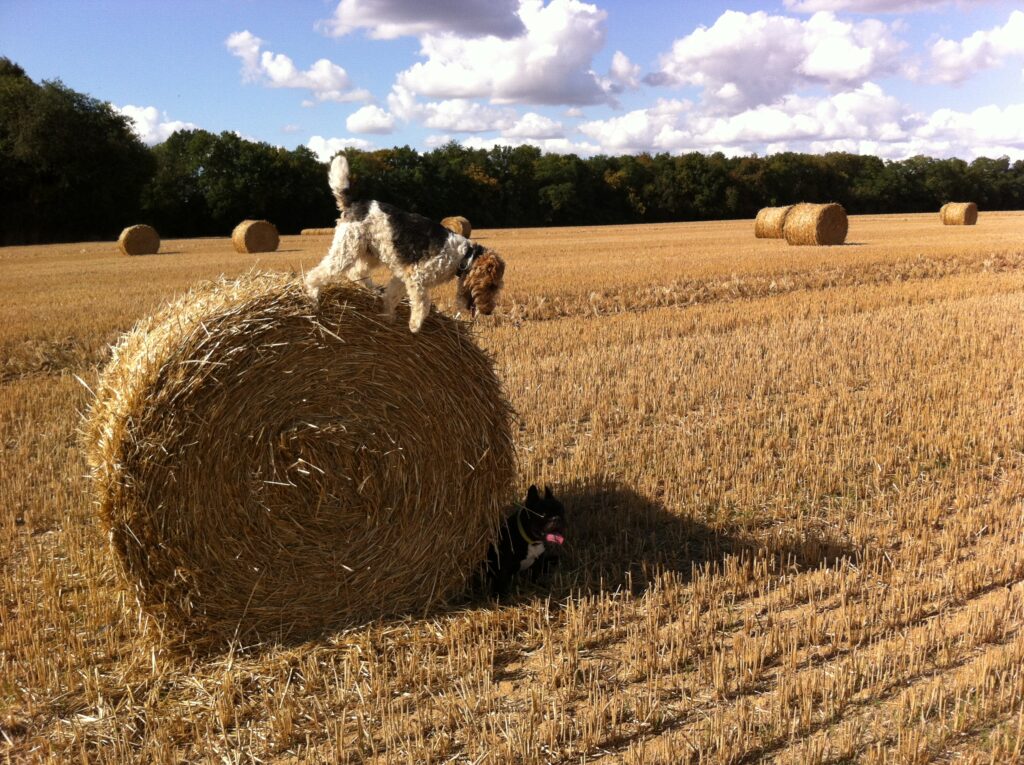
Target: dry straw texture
x=959 y=214
x=458 y=224
x=771 y=221
x=317 y=231
x=268 y=469
x=816 y=224
x=139 y=240
x=255 y=236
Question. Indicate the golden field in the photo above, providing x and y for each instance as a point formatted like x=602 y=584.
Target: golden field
x=794 y=481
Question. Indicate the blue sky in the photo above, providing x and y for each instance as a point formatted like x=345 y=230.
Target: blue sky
x=887 y=77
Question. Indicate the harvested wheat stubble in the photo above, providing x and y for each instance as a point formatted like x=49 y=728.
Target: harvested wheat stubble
x=139 y=240
x=275 y=469
x=316 y=231
x=255 y=236
x=458 y=224
x=959 y=214
x=816 y=224
x=770 y=222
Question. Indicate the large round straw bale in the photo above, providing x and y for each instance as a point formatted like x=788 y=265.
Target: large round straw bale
x=816 y=224
x=139 y=240
x=959 y=214
x=316 y=231
x=266 y=468
x=458 y=224
x=255 y=236
x=770 y=222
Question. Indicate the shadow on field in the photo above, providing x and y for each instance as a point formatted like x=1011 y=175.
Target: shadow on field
x=619 y=539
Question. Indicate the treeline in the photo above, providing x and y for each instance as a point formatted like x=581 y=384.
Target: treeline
x=72 y=169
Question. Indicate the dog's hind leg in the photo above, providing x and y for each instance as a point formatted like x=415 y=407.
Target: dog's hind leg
x=315 y=279
x=419 y=300
x=342 y=256
x=359 y=261
x=392 y=296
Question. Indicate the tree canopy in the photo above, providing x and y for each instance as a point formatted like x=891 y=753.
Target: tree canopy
x=73 y=169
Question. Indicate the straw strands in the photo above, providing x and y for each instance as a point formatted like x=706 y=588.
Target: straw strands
x=770 y=222
x=265 y=468
x=959 y=214
x=139 y=240
x=458 y=224
x=317 y=231
x=816 y=224
x=255 y=236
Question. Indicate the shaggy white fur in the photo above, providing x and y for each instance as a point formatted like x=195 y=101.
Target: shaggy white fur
x=415 y=250
x=534 y=551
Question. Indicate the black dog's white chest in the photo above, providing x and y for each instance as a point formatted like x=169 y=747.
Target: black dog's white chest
x=534 y=551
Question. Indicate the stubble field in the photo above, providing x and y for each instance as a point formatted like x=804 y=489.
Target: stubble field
x=794 y=480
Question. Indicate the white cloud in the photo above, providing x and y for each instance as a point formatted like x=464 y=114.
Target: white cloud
x=990 y=130
x=463 y=116
x=549 y=64
x=325 y=148
x=388 y=19
x=864 y=6
x=325 y=80
x=291 y=128
x=550 y=145
x=638 y=130
x=623 y=74
x=865 y=120
x=150 y=124
x=747 y=59
x=533 y=125
x=953 y=61
x=866 y=113
x=878 y=6
x=558 y=145
x=370 y=119
x=457 y=114
x=860 y=114
x=433 y=141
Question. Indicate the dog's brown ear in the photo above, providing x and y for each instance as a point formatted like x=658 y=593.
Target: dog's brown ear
x=484 y=281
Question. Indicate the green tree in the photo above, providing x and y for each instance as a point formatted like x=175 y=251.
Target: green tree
x=206 y=184
x=72 y=166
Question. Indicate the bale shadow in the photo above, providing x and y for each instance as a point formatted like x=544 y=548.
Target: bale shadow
x=620 y=540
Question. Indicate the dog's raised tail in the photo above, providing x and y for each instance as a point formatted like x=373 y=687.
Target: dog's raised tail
x=338 y=179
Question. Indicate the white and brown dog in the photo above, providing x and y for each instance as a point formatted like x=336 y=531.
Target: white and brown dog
x=419 y=252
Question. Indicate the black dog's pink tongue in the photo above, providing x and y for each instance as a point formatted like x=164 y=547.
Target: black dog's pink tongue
x=555 y=539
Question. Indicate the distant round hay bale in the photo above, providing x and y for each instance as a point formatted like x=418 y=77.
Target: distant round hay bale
x=959 y=214
x=139 y=240
x=255 y=236
x=458 y=224
x=316 y=231
x=770 y=222
x=266 y=468
x=816 y=224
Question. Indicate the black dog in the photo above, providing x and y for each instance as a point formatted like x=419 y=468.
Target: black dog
x=522 y=543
